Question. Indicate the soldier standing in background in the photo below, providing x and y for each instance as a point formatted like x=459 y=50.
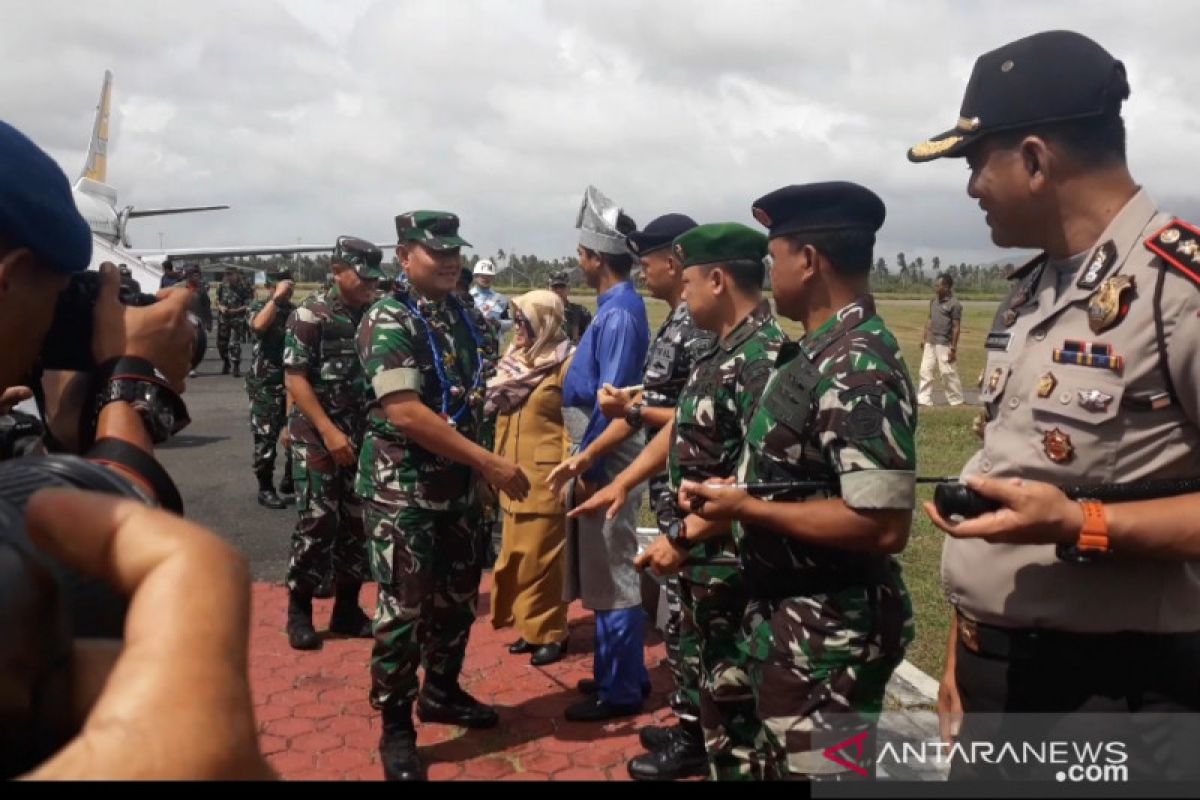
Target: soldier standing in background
x=326 y=385
x=264 y=384
x=233 y=298
x=576 y=318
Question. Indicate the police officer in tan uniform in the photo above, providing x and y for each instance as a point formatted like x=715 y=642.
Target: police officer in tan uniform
x=1092 y=379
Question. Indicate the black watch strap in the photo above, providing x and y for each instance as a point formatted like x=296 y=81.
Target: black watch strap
x=141 y=463
x=131 y=368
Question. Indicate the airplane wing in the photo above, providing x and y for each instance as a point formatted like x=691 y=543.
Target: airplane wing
x=228 y=252
x=135 y=213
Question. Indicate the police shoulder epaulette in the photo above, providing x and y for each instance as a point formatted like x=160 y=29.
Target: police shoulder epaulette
x=1027 y=267
x=1178 y=244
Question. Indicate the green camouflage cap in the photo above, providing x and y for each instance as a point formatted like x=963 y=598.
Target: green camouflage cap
x=719 y=243
x=360 y=254
x=437 y=230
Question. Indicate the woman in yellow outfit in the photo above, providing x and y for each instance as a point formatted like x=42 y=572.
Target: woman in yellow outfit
x=526 y=395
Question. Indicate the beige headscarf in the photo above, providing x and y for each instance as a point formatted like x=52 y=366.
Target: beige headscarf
x=522 y=369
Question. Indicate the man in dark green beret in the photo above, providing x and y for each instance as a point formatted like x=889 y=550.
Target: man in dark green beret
x=829 y=617
x=723 y=275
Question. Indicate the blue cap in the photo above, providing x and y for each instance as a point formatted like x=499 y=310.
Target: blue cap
x=37 y=210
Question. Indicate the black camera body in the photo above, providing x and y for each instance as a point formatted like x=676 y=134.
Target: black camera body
x=44 y=606
x=68 y=344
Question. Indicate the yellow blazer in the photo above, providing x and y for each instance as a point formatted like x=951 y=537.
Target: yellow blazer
x=535 y=437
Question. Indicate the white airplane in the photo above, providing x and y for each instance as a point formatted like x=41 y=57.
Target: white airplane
x=97 y=202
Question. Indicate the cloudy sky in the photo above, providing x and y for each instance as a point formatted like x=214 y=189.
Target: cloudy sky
x=314 y=118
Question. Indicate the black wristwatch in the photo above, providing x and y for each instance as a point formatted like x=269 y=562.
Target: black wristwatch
x=633 y=416
x=157 y=412
x=677 y=533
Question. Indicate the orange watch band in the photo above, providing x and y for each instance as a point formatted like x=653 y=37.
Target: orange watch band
x=1093 y=537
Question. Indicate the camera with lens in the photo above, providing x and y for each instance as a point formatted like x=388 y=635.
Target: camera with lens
x=68 y=344
x=44 y=607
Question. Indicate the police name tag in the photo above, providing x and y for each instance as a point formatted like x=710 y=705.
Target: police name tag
x=998 y=340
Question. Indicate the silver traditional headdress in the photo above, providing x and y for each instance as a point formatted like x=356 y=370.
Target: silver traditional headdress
x=597 y=224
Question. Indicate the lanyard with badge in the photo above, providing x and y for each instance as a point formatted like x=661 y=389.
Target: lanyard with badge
x=439 y=365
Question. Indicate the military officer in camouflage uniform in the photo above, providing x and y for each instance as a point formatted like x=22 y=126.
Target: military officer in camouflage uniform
x=723 y=272
x=576 y=318
x=829 y=617
x=421 y=352
x=327 y=387
x=267 y=322
x=233 y=298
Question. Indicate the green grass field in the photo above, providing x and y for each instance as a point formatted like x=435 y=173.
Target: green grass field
x=944 y=443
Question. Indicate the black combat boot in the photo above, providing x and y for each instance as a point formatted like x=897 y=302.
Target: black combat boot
x=301 y=635
x=225 y=366
x=656 y=737
x=237 y=370
x=348 y=619
x=446 y=702
x=286 y=485
x=398 y=746
x=266 y=493
x=683 y=757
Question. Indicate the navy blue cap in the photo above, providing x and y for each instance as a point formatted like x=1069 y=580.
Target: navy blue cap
x=819 y=207
x=36 y=207
x=1051 y=76
x=660 y=233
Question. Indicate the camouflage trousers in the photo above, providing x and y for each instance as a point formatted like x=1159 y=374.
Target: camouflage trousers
x=231 y=332
x=662 y=503
x=330 y=529
x=715 y=678
x=819 y=666
x=428 y=565
x=268 y=416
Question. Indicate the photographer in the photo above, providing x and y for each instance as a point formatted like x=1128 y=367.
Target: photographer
x=113 y=385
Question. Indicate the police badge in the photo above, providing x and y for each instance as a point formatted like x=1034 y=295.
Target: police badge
x=1109 y=305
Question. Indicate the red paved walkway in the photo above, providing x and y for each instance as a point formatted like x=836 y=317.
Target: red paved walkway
x=315 y=721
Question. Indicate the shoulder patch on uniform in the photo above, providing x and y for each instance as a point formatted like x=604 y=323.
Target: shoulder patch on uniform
x=1098 y=265
x=1178 y=244
x=865 y=422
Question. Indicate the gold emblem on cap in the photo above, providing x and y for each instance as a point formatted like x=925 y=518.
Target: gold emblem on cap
x=935 y=147
x=1105 y=306
x=763 y=217
x=1007 y=66
x=679 y=252
x=1169 y=237
x=1046 y=385
x=968 y=124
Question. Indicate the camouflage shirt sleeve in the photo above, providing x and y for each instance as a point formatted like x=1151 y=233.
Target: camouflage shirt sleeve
x=302 y=345
x=251 y=313
x=386 y=349
x=867 y=434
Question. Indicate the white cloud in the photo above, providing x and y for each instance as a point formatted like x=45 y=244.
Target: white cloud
x=315 y=118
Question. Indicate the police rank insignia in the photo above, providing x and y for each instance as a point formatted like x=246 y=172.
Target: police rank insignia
x=1046 y=385
x=1057 y=446
x=994 y=381
x=979 y=425
x=1109 y=305
x=1101 y=262
x=1094 y=400
x=1178 y=244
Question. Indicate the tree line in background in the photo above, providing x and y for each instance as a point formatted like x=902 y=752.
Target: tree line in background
x=899 y=275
